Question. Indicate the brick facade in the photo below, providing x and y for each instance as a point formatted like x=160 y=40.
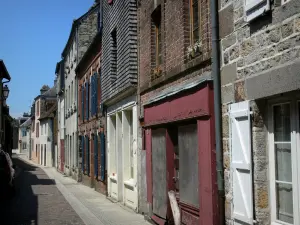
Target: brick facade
x=259 y=61
x=181 y=72
x=94 y=124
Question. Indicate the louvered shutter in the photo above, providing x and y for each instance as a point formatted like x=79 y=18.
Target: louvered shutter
x=88 y=155
x=102 y=164
x=96 y=94
x=96 y=154
x=256 y=8
x=241 y=162
x=83 y=152
x=82 y=103
x=87 y=100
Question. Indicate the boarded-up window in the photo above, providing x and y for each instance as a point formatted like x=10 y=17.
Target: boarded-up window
x=188 y=164
x=159 y=172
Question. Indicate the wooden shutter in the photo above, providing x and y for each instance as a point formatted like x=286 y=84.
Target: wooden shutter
x=96 y=154
x=83 y=153
x=241 y=162
x=102 y=165
x=82 y=103
x=87 y=100
x=256 y=8
x=88 y=154
x=96 y=93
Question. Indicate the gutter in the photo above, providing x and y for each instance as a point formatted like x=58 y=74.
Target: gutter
x=217 y=107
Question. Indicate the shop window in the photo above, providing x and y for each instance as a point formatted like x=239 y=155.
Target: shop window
x=188 y=164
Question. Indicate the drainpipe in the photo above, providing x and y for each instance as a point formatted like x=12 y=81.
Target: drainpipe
x=217 y=106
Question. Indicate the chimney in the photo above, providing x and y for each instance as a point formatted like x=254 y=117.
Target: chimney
x=44 y=89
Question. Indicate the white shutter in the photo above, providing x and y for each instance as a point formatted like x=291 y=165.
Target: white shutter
x=255 y=8
x=241 y=162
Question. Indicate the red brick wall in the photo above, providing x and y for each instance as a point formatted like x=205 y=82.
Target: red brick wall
x=175 y=38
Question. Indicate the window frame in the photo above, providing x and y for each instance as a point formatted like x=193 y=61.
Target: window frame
x=191 y=22
x=295 y=156
x=157 y=22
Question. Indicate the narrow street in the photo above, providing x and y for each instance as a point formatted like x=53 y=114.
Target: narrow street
x=38 y=201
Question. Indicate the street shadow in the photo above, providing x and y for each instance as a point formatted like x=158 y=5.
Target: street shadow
x=23 y=208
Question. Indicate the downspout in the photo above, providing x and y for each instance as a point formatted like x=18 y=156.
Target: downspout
x=217 y=107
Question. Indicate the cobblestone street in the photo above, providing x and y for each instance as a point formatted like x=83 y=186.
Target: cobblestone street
x=38 y=201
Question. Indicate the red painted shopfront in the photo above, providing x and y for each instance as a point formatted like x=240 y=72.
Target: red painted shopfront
x=180 y=151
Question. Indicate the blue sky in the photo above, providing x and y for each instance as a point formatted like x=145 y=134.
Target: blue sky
x=33 y=34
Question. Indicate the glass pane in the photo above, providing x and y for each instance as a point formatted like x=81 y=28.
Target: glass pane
x=284 y=194
x=282 y=123
x=195 y=21
x=283 y=162
x=188 y=164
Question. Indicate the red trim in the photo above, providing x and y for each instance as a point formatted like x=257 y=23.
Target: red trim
x=149 y=164
x=158 y=220
x=191 y=104
x=207 y=174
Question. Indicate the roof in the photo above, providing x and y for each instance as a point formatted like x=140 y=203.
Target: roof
x=3 y=71
x=74 y=25
x=49 y=113
x=26 y=123
x=48 y=94
x=57 y=67
x=89 y=51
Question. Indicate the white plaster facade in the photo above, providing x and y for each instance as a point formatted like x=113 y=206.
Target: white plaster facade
x=60 y=128
x=122 y=152
x=46 y=143
x=71 y=150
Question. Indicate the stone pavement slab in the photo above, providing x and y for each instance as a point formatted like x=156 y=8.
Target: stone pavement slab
x=91 y=206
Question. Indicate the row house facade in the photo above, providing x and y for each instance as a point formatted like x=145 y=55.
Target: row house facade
x=176 y=111
x=38 y=153
x=24 y=136
x=82 y=33
x=260 y=99
x=60 y=88
x=48 y=133
x=91 y=121
x=119 y=95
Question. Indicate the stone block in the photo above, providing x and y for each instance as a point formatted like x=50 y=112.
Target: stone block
x=279 y=79
x=224 y=109
x=262 y=198
x=226 y=160
x=297 y=24
x=239 y=92
x=228 y=187
x=290 y=55
x=225 y=127
x=247 y=46
x=238 y=13
x=267 y=52
x=253 y=57
x=226 y=146
x=243 y=33
x=240 y=62
x=226 y=57
x=287 y=29
x=229 y=41
x=274 y=35
x=227 y=93
x=228 y=74
x=226 y=21
x=227 y=209
x=234 y=52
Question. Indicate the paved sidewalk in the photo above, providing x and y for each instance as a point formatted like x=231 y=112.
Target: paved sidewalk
x=91 y=206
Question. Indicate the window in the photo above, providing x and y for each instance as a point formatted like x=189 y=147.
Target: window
x=284 y=167
x=67 y=98
x=194 y=21
x=72 y=93
x=37 y=129
x=38 y=108
x=156 y=20
x=114 y=54
x=42 y=126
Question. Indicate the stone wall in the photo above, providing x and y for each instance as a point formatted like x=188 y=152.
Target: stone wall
x=259 y=60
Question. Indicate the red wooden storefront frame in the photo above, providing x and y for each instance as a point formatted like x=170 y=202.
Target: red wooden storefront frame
x=196 y=104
